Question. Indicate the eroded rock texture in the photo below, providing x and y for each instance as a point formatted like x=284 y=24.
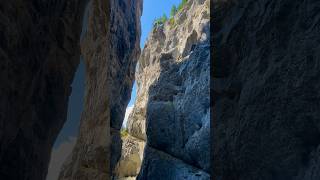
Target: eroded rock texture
x=110 y=48
x=128 y=167
x=266 y=89
x=39 y=54
x=171 y=112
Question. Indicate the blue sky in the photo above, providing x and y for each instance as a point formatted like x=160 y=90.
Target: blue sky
x=153 y=9
x=133 y=94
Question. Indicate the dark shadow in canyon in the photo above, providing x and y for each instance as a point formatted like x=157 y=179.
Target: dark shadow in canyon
x=39 y=56
x=39 y=52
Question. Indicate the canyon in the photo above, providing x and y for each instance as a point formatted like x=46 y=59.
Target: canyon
x=40 y=51
x=169 y=127
x=264 y=90
x=110 y=48
x=41 y=44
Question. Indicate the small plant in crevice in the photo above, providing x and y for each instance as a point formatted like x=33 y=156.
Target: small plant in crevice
x=160 y=21
x=172 y=23
x=124 y=132
x=182 y=4
x=174 y=10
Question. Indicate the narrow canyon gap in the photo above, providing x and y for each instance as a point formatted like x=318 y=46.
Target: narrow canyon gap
x=171 y=112
x=169 y=126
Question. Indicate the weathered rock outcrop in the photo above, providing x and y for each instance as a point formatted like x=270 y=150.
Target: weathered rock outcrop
x=110 y=48
x=129 y=165
x=266 y=89
x=171 y=112
x=39 y=54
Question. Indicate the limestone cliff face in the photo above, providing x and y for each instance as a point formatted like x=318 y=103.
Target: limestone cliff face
x=39 y=54
x=266 y=89
x=110 y=48
x=171 y=112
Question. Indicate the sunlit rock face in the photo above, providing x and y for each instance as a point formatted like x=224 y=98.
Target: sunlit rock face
x=131 y=158
x=171 y=112
x=266 y=89
x=39 y=54
x=110 y=47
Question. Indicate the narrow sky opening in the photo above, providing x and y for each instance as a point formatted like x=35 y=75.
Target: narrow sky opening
x=130 y=105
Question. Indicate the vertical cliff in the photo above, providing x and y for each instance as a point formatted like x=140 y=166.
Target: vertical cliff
x=171 y=112
x=39 y=54
x=266 y=89
x=110 y=48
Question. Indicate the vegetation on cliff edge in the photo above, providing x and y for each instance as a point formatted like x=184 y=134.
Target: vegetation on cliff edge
x=174 y=10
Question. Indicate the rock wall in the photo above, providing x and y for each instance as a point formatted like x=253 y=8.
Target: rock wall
x=39 y=54
x=110 y=48
x=128 y=167
x=266 y=89
x=171 y=112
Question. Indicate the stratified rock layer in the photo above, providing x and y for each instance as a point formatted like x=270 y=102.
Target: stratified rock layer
x=39 y=54
x=171 y=112
x=110 y=48
x=266 y=89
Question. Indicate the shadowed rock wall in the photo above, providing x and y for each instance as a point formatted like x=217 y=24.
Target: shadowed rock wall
x=266 y=89
x=39 y=52
x=110 y=48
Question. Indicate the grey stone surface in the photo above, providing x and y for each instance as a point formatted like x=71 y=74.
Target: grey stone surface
x=265 y=89
x=172 y=107
x=39 y=54
x=110 y=49
x=178 y=109
x=159 y=165
x=131 y=158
